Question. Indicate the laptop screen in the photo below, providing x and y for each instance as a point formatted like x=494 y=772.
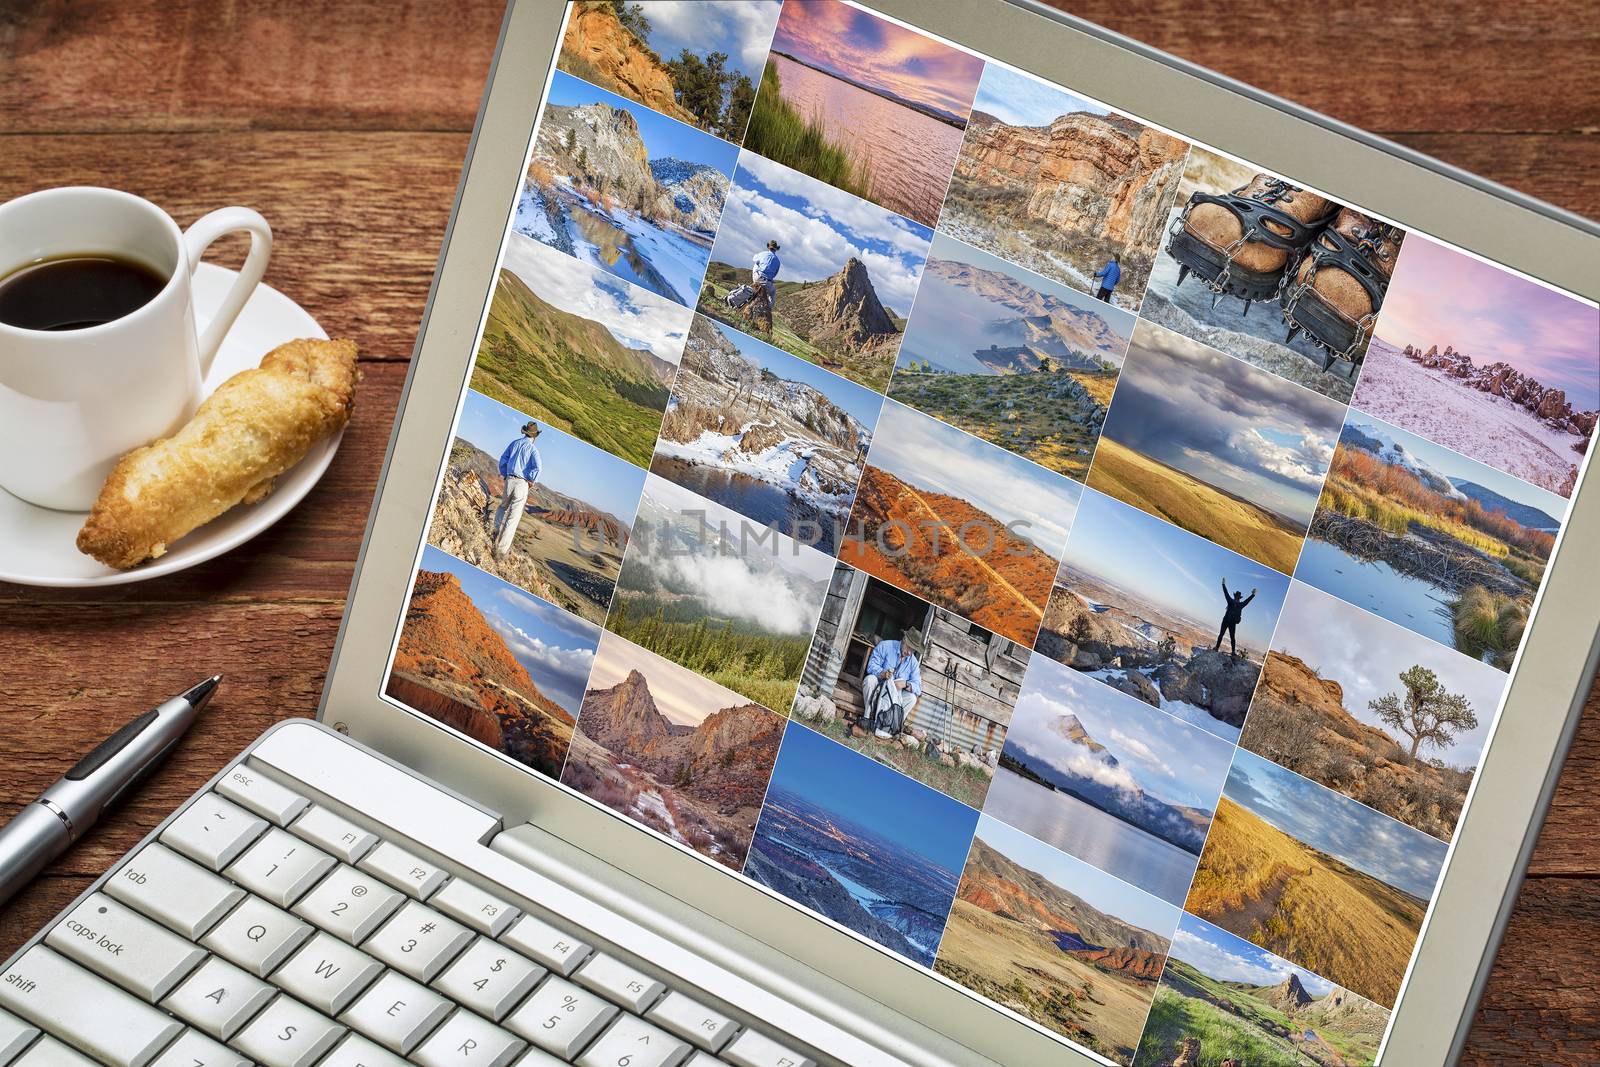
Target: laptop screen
x=1070 y=557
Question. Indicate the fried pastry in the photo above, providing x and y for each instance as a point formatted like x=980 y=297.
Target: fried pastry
x=257 y=425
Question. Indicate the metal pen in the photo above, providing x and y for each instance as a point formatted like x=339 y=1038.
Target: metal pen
x=47 y=827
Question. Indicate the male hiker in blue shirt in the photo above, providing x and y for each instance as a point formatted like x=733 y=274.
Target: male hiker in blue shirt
x=519 y=466
x=763 y=272
x=1108 y=276
x=892 y=685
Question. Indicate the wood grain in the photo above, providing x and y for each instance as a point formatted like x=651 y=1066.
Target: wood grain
x=346 y=123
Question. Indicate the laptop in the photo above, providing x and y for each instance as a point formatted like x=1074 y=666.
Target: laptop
x=916 y=534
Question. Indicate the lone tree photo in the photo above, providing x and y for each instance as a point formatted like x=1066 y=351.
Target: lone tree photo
x=1427 y=712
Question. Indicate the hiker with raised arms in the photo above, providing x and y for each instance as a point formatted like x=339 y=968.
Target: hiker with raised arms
x=1236 y=603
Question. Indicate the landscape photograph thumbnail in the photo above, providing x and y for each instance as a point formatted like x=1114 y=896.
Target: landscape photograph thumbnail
x=1490 y=364
x=1014 y=358
x=1426 y=538
x=1216 y=446
x=697 y=61
x=1324 y=882
x=1223 y=1000
x=1062 y=186
x=564 y=539
x=1371 y=710
x=861 y=844
x=863 y=104
x=710 y=591
x=846 y=271
x=962 y=682
x=1162 y=615
x=1109 y=779
x=960 y=522
x=624 y=189
x=777 y=439
x=492 y=662
x=579 y=349
x=673 y=751
x=1058 y=942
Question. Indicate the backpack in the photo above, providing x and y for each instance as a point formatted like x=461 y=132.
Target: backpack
x=740 y=296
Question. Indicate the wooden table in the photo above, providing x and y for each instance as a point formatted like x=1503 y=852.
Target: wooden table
x=345 y=123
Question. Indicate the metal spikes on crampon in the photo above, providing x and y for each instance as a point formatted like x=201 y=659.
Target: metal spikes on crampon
x=1274 y=220
x=1335 y=293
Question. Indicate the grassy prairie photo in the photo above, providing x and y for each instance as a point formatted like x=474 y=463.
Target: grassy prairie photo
x=701 y=589
x=865 y=105
x=1145 y=607
x=775 y=438
x=1056 y=941
x=1020 y=361
x=579 y=350
x=1431 y=540
x=1496 y=367
x=960 y=522
x=673 y=751
x=848 y=270
x=491 y=662
x=1223 y=1000
x=971 y=677
x=696 y=61
x=1058 y=184
x=1216 y=447
x=1368 y=708
x=1109 y=779
x=861 y=844
x=573 y=528
x=1315 y=877
x=624 y=189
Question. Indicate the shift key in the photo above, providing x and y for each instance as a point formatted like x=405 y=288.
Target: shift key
x=85 y=1011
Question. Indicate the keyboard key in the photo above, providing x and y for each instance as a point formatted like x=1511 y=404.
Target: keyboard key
x=556 y=949
x=280 y=867
x=396 y=1012
x=626 y=985
x=412 y=876
x=536 y=1057
x=48 y=1052
x=334 y=833
x=357 y=1051
x=327 y=974
x=484 y=913
x=632 y=1042
x=561 y=1018
x=704 y=1059
x=257 y=936
x=469 y=1041
x=88 y=1012
x=418 y=941
x=219 y=998
x=348 y=904
x=14 y=1037
x=212 y=831
x=194 y=1049
x=489 y=978
x=168 y=888
x=256 y=792
x=118 y=943
x=693 y=1021
x=755 y=1049
x=287 y=1034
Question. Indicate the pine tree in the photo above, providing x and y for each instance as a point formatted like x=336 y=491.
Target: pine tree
x=1426 y=712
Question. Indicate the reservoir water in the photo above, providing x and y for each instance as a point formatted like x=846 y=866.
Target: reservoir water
x=1412 y=602
x=759 y=501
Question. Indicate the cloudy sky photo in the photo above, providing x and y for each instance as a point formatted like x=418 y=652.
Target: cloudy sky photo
x=680 y=694
x=739 y=29
x=1220 y=955
x=819 y=228
x=1353 y=833
x=636 y=318
x=1218 y=419
x=1019 y=100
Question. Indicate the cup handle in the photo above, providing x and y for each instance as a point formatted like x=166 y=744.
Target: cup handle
x=197 y=238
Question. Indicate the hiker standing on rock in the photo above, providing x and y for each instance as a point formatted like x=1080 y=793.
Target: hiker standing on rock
x=1236 y=603
x=1108 y=276
x=892 y=685
x=519 y=466
x=763 y=273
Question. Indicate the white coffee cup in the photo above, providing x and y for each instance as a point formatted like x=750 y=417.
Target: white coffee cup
x=73 y=401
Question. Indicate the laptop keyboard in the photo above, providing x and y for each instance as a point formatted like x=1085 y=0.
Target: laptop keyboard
x=263 y=928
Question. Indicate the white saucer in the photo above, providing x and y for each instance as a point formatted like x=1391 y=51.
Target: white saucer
x=37 y=545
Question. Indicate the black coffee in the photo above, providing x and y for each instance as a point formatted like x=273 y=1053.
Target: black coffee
x=76 y=292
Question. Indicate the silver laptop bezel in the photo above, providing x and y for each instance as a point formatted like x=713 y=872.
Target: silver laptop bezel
x=1516 y=780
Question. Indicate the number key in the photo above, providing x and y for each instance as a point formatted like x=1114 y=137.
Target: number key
x=489 y=979
x=348 y=904
x=418 y=941
x=561 y=1018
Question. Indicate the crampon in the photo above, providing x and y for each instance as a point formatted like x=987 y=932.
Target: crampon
x=1335 y=293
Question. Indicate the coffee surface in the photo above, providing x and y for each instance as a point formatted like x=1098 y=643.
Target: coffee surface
x=76 y=292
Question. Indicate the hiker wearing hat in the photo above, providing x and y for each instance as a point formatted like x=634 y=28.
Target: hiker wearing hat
x=519 y=466
x=892 y=685
x=763 y=273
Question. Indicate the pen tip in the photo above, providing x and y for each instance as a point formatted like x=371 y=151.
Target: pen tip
x=202 y=692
